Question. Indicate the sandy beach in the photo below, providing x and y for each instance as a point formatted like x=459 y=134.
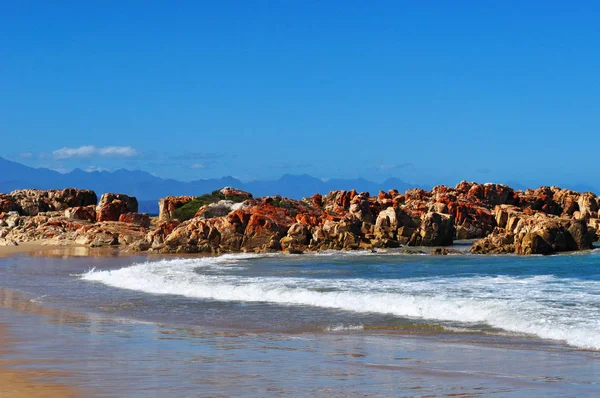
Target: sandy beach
x=30 y=247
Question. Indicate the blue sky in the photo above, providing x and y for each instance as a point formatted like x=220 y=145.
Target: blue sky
x=430 y=92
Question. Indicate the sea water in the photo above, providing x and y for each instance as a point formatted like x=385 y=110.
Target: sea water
x=504 y=324
x=554 y=298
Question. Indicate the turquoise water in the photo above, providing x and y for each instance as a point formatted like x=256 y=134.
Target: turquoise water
x=351 y=324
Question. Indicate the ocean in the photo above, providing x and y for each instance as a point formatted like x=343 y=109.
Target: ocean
x=325 y=324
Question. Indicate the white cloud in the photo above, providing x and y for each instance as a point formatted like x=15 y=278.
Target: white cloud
x=61 y=170
x=91 y=150
x=95 y=168
x=26 y=155
x=197 y=166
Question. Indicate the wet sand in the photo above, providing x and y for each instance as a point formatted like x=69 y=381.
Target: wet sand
x=16 y=380
x=22 y=382
x=30 y=247
x=44 y=249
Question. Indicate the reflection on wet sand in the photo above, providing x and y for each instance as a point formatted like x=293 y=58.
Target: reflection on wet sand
x=14 y=300
x=43 y=249
x=21 y=378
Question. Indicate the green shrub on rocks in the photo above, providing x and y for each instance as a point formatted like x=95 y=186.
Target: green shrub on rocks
x=189 y=210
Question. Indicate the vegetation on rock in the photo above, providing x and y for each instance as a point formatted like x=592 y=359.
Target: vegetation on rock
x=189 y=210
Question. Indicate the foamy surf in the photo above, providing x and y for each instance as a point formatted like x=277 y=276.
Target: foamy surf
x=562 y=309
x=343 y=328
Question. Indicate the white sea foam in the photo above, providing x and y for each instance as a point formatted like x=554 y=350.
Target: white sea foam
x=343 y=328
x=546 y=306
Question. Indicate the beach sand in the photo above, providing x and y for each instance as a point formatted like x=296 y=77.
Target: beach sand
x=45 y=249
x=7 y=251
x=23 y=382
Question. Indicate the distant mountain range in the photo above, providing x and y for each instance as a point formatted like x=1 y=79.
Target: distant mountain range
x=148 y=188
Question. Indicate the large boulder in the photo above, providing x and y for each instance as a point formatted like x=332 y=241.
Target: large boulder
x=436 y=230
x=166 y=206
x=86 y=213
x=296 y=240
x=141 y=219
x=361 y=208
x=498 y=242
x=111 y=206
x=8 y=204
x=156 y=237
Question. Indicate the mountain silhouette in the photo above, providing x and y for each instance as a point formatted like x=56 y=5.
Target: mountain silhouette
x=148 y=188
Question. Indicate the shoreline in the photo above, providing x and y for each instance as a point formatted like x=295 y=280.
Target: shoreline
x=43 y=248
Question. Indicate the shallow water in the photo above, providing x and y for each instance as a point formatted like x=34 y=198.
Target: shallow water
x=327 y=324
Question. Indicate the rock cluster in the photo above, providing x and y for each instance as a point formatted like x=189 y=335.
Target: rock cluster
x=541 y=221
x=553 y=220
x=70 y=216
x=523 y=231
x=341 y=220
x=30 y=202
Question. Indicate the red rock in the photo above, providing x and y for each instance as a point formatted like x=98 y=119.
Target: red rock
x=8 y=204
x=317 y=200
x=157 y=236
x=87 y=213
x=110 y=211
x=169 y=204
x=141 y=219
x=384 y=195
x=111 y=206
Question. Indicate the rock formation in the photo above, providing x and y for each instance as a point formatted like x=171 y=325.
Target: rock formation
x=33 y=201
x=166 y=206
x=111 y=206
x=541 y=221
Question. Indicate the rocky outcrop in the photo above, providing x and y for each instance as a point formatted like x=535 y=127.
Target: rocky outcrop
x=166 y=206
x=141 y=219
x=436 y=230
x=70 y=216
x=111 y=206
x=509 y=221
x=34 y=201
x=538 y=233
x=541 y=221
x=87 y=213
x=109 y=233
x=156 y=237
x=8 y=204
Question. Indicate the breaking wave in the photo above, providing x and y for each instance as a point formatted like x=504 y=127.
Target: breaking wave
x=555 y=308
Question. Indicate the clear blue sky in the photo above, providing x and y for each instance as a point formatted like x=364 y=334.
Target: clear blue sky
x=430 y=92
